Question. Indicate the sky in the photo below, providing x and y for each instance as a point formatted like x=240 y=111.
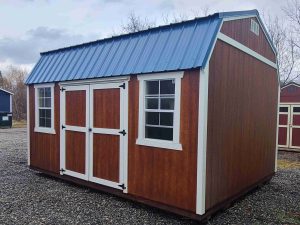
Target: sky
x=28 y=27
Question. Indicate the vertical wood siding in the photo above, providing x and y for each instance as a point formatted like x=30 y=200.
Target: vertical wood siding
x=166 y=176
x=290 y=94
x=240 y=31
x=242 y=117
x=44 y=148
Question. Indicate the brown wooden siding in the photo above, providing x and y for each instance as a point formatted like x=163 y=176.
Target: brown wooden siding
x=240 y=31
x=242 y=117
x=290 y=93
x=44 y=148
x=166 y=176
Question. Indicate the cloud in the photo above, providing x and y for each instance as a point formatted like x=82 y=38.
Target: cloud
x=25 y=50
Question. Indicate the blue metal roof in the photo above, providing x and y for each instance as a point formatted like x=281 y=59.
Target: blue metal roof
x=178 y=46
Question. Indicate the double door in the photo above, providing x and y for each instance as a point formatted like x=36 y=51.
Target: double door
x=289 y=126
x=94 y=133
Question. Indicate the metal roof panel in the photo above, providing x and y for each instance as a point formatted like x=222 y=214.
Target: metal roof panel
x=178 y=46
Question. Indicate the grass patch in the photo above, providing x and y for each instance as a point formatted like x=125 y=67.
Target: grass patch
x=19 y=124
x=286 y=164
x=289 y=218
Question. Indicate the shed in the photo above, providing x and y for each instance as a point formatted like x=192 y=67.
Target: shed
x=182 y=117
x=289 y=117
x=5 y=108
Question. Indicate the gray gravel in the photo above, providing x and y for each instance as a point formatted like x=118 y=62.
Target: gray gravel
x=28 y=197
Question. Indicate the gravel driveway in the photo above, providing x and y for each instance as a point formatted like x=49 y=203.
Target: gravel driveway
x=28 y=197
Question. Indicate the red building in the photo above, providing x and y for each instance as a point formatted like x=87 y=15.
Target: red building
x=289 y=117
x=182 y=117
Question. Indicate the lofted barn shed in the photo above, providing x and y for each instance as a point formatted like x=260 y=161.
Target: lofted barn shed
x=182 y=117
x=289 y=117
x=5 y=108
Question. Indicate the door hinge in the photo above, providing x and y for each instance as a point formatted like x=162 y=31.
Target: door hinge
x=62 y=170
x=122 y=186
x=123 y=132
x=62 y=89
x=63 y=127
x=122 y=86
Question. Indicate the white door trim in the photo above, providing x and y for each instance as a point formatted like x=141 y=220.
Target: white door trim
x=292 y=126
x=285 y=126
x=73 y=128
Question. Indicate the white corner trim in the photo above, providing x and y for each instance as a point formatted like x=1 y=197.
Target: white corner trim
x=202 y=140
x=159 y=144
x=277 y=129
x=10 y=103
x=38 y=129
x=28 y=128
x=245 y=49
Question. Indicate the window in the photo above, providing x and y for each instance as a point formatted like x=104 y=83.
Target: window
x=44 y=109
x=254 y=27
x=296 y=109
x=159 y=113
x=283 y=109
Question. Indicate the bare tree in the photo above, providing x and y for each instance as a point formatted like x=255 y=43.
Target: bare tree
x=13 y=80
x=287 y=53
x=136 y=23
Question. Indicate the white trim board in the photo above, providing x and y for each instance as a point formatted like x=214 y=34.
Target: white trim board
x=202 y=140
x=28 y=128
x=1 y=89
x=245 y=49
x=291 y=84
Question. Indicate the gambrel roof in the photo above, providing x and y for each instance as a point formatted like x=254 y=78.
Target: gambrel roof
x=178 y=46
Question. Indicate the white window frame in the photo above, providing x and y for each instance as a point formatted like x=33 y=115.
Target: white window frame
x=254 y=27
x=37 y=128
x=141 y=140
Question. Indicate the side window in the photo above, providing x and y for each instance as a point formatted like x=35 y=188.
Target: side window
x=159 y=110
x=254 y=27
x=44 y=108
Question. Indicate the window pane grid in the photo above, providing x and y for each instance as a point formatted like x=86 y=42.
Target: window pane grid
x=44 y=107
x=159 y=109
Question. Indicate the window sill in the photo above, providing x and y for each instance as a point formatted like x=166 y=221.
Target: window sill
x=159 y=144
x=44 y=130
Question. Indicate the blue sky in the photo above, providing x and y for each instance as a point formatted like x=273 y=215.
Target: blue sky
x=28 y=27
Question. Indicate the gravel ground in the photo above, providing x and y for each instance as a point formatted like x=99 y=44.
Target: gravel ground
x=28 y=197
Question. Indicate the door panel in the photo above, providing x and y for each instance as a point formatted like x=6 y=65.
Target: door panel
x=282 y=136
x=106 y=156
x=76 y=108
x=283 y=119
x=75 y=151
x=295 y=142
x=296 y=120
x=75 y=131
x=107 y=120
x=107 y=108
